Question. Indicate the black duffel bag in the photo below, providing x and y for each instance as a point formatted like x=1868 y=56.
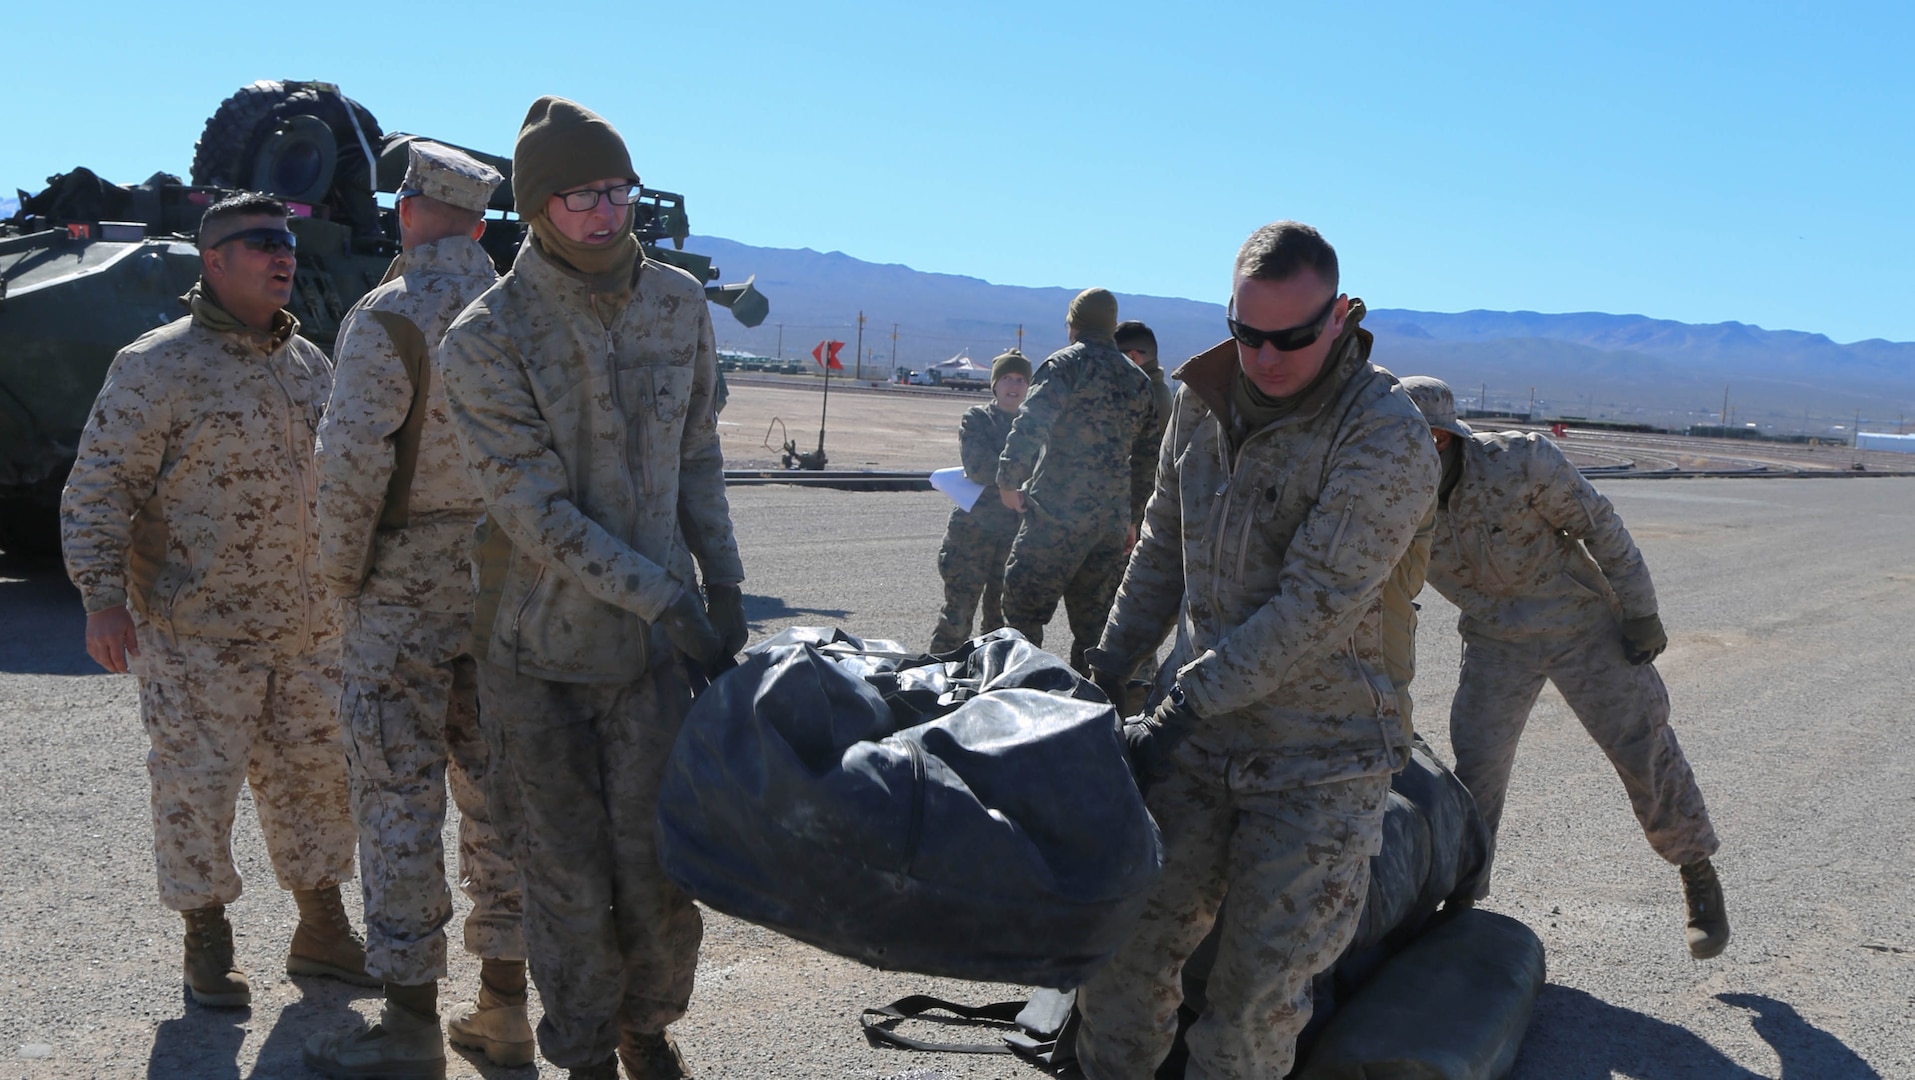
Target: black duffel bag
x=969 y=816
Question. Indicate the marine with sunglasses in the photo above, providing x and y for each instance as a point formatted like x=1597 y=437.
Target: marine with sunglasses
x=187 y=525
x=581 y=388
x=396 y=513
x=1291 y=480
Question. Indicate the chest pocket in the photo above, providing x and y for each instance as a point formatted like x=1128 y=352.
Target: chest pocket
x=671 y=394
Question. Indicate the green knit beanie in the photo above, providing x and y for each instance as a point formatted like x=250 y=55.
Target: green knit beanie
x=1093 y=315
x=1010 y=363
x=563 y=145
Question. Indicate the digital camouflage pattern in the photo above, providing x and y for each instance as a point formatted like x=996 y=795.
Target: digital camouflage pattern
x=420 y=557
x=588 y=424
x=1080 y=449
x=1544 y=572
x=611 y=942
x=1272 y=560
x=409 y=714
x=1295 y=862
x=1274 y=563
x=976 y=541
x=221 y=713
x=1525 y=545
x=1399 y=613
x=396 y=515
x=191 y=501
x=1624 y=707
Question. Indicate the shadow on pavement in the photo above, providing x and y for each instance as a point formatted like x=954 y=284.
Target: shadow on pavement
x=760 y=609
x=323 y=1005
x=1577 y=1036
x=44 y=632
x=203 y=1043
x=1807 y=1052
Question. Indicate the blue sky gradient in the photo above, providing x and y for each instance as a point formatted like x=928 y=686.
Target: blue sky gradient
x=1701 y=162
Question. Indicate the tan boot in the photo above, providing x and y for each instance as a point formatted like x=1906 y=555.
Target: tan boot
x=324 y=944
x=1708 y=921
x=652 y=1055
x=503 y=1032
x=402 y=1046
x=211 y=975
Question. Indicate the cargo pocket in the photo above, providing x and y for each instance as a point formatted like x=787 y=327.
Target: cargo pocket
x=362 y=728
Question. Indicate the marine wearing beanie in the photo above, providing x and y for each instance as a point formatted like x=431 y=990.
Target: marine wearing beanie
x=1093 y=314
x=1010 y=363
x=561 y=146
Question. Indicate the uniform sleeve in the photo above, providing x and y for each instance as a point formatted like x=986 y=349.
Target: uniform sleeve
x=1143 y=458
x=1568 y=501
x=509 y=450
x=978 y=447
x=121 y=451
x=1050 y=394
x=1414 y=567
x=1152 y=590
x=704 y=513
x=354 y=453
x=1380 y=484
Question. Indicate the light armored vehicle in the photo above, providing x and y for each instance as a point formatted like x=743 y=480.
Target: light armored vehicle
x=86 y=266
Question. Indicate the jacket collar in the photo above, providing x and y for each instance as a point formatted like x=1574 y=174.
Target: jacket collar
x=537 y=268
x=454 y=256
x=1210 y=373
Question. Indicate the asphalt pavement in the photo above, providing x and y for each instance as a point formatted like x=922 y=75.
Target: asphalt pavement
x=1787 y=602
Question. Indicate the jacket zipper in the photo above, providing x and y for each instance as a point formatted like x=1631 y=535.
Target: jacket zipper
x=625 y=451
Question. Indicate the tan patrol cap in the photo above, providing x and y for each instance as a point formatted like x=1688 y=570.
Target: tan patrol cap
x=448 y=175
x=1438 y=405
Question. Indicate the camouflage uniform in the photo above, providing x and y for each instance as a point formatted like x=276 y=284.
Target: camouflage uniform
x=978 y=541
x=1544 y=573
x=595 y=448
x=1082 y=427
x=396 y=514
x=1272 y=559
x=1399 y=613
x=191 y=504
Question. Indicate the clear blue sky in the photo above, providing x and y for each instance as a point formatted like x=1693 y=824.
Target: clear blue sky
x=1699 y=161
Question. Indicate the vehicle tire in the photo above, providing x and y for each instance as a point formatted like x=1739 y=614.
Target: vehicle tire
x=260 y=117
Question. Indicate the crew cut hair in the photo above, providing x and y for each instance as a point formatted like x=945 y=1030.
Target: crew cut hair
x=1132 y=333
x=239 y=204
x=1280 y=249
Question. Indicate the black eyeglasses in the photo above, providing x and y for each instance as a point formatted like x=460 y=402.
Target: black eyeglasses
x=585 y=199
x=1290 y=340
x=266 y=241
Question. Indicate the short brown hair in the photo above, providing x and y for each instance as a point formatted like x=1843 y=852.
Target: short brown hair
x=1279 y=250
x=1132 y=334
x=238 y=205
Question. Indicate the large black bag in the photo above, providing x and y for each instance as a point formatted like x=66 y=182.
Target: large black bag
x=970 y=816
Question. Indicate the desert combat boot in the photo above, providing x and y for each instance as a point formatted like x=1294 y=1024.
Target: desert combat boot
x=1708 y=922
x=402 y=1046
x=211 y=975
x=652 y=1055
x=324 y=943
x=496 y=1027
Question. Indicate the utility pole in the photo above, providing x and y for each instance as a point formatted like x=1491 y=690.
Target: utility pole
x=1531 y=414
x=894 y=348
x=1020 y=337
x=860 y=345
x=1724 y=421
x=781 y=341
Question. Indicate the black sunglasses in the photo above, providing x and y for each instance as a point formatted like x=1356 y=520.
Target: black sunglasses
x=1290 y=340
x=264 y=240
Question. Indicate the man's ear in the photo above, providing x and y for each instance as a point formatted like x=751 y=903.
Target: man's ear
x=479 y=229
x=209 y=263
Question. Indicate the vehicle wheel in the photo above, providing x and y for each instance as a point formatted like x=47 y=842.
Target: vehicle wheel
x=256 y=141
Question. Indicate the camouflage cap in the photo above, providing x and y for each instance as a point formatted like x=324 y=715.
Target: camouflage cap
x=1438 y=405
x=448 y=175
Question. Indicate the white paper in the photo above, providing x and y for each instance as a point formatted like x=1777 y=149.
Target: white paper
x=961 y=490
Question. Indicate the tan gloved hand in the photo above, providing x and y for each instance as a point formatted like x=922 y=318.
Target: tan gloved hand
x=1643 y=639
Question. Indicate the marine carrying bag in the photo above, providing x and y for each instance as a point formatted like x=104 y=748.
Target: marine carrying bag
x=970 y=816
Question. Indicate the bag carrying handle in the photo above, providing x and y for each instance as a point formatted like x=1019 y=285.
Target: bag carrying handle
x=878 y=1022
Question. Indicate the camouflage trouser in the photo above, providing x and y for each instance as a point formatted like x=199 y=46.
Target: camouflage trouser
x=1624 y=707
x=612 y=943
x=1296 y=864
x=971 y=562
x=1052 y=559
x=218 y=714
x=409 y=710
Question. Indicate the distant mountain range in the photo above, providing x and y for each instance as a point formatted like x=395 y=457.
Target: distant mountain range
x=1621 y=367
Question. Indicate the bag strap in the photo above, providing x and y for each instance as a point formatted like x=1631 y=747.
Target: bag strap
x=878 y=1023
x=410 y=343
